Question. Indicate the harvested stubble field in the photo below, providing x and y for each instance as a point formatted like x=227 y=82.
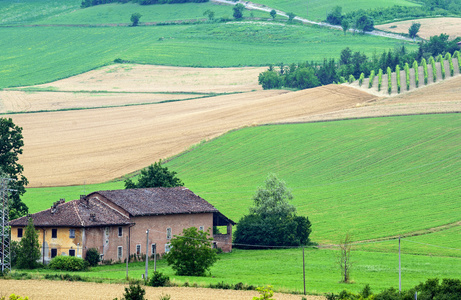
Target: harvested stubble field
x=49 y=290
x=91 y=146
x=429 y=27
x=73 y=147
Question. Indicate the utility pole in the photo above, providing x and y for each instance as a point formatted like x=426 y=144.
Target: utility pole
x=127 y=255
x=147 y=253
x=5 y=258
x=304 y=273
x=400 y=271
x=155 y=257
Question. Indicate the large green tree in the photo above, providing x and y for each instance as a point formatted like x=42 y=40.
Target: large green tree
x=11 y=143
x=272 y=220
x=191 y=253
x=29 y=249
x=155 y=176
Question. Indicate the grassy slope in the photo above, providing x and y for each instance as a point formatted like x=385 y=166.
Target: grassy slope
x=20 y=12
x=318 y=9
x=37 y=55
x=283 y=270
x=374 y=177
x=120 y=13
x=392 y=172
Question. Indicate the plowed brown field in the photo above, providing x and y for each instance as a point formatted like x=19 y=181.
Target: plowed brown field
x=50 y=290
x=429 y=27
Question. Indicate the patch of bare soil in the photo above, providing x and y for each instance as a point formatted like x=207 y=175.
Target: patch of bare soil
x=92 y=146
x=429 y=27
x=50 y=290
x=441 y=97
x=148 y=78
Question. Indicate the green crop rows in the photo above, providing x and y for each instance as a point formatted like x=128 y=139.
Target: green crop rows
x=374 y=177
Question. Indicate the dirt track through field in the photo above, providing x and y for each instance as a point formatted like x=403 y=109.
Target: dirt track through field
x=50 y=290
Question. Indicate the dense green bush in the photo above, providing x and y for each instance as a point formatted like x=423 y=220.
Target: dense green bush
x=407 y=76
x=158 y=279
x=457 y=55
x=351 y=78
x=380 y=79
x=450 y=62
x=415 y=68
x=389 y=80
x=371 y=79
x=432 y=289
x=92 y=257
x=362 y=76
x=68 y=263
x=434 y=70
x=442 y=65
x=426 y=75
x=397 y=77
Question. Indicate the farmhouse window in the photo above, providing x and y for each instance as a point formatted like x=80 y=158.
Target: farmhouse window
x=167 y=248
x=138 y=249
x=154 y=249
x=72 y=233
x=19 y=232
x=120 y=231
x=168 y=233
x=201 y=228
x=119 y=252
x=54 y=233
x=54 y=252
x=72 y=252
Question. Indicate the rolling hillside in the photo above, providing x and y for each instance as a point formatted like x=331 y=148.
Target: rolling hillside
x=376 y=177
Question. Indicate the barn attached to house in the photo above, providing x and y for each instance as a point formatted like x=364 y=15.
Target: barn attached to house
x=115 y=222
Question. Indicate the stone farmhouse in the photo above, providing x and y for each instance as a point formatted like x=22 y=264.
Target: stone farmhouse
x=115 y=222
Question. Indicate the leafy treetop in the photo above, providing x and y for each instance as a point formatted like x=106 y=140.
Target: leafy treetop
x=155 y=176
x=272 y=199
x=11 y=143
x=191 y=253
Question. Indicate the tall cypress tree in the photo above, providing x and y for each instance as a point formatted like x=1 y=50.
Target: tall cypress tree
x=29 y=249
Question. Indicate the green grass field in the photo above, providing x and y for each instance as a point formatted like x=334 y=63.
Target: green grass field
x=117 y=13
x=318 y=9
x=14 y=12
x=33 y=55
x=375 y=178
x=283 y=270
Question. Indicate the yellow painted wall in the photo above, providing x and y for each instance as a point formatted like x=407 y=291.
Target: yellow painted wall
x=63 y=243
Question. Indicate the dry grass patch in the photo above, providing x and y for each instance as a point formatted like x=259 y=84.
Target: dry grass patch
x=18 y=101
x=429 y=27
x=148 y=78
x=92 y=146
x=50 y=290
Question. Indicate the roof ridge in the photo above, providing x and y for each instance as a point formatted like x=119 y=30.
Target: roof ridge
x=78 y=213
x=116 y=210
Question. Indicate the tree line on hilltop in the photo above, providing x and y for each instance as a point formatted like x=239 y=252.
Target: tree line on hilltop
x=311 y=74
